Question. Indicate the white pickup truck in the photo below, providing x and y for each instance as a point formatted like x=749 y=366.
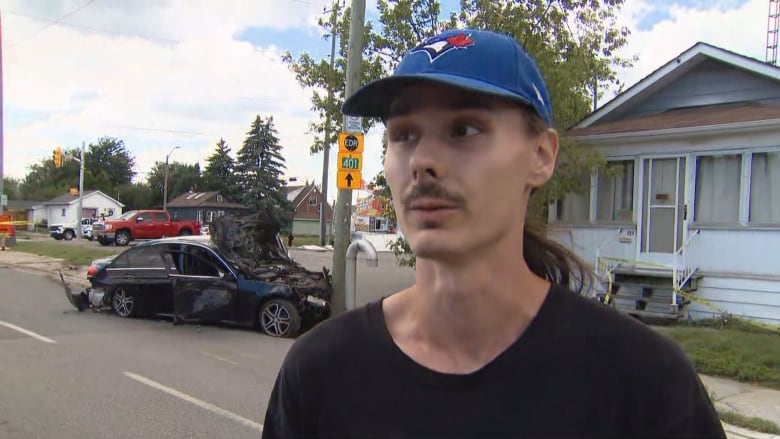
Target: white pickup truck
x=68 y=231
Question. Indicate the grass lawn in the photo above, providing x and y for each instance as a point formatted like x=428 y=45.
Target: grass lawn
x=72 y=253
x=750 y=423
x=734 y=350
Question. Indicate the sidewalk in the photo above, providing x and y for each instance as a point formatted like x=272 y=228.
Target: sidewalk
x=728 y=395
x=744 y=399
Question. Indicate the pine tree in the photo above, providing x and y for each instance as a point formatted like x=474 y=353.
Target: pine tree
x=219 y=174
x=259 y=167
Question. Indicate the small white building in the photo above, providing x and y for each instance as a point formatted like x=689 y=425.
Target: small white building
x=694 y=205
x=64 y=208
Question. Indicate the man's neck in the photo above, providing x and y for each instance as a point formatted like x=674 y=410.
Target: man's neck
x=458 y=318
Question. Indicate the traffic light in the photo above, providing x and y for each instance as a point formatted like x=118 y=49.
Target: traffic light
x=58 y=157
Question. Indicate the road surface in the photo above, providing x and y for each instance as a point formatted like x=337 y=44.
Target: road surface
x=67 y=374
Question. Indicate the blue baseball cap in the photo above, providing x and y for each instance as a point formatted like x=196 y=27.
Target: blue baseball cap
x=475 y=60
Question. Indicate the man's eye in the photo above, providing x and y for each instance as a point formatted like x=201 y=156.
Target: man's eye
x=465 y=129
x=402 y=136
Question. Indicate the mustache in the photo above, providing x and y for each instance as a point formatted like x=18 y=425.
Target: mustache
x=431 y=190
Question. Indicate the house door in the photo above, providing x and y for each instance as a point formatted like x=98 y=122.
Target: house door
x=663 y=208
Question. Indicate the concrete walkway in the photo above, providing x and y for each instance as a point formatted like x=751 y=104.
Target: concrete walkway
x=744 y=399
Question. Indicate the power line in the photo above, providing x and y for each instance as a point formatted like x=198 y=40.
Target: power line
x=89 y=2
x=92 y=29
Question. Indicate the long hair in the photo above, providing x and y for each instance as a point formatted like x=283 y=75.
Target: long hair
x=545 y=257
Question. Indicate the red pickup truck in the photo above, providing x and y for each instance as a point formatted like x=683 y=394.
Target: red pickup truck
x=142 y=224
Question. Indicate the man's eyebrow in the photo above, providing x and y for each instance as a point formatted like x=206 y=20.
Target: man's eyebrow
x=404 y=107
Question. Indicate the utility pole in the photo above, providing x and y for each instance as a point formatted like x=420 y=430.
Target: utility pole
x=165 y=185
x=80 y=212
x=344 y=200
x=2 y=114
x=326 y=147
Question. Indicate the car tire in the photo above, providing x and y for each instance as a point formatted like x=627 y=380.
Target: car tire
x=184 y=233
x=68 y=235
x=123 y=303
x=279 y=318
x=122 y=237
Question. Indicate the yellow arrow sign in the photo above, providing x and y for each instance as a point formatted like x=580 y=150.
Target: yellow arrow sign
x=350 y=162
x=349 y=179
x=351 y=143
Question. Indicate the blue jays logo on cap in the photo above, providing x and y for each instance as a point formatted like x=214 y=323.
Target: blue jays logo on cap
x=441 y=44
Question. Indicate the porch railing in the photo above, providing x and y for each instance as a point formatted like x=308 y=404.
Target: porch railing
x=606 y=264
x=681 y=270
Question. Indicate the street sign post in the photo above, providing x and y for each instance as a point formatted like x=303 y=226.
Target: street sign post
x=350 y=161
x=354 y=124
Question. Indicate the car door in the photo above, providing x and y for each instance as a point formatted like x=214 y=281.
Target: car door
x=142 y=273
x=204 y=289
x=144 y=226
x=162 y=224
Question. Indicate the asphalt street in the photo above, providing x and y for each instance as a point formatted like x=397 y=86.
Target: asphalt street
x=67 y=374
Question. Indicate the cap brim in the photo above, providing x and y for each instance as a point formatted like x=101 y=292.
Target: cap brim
x=374 y=99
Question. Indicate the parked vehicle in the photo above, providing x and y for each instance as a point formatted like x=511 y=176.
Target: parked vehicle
x=190 y=279
x=142 y=224
x=68 y=231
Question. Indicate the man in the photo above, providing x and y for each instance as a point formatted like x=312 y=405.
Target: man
x=489 y=342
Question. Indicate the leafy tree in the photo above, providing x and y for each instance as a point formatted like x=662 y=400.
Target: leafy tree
x=108 y=165
x=219 y=174
x=44 y=181
x=259 y=167
x=317 y=76
x=11 y=187
x=136 y=196
x=182 y=177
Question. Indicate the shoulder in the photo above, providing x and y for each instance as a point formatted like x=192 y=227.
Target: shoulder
x=635 y=343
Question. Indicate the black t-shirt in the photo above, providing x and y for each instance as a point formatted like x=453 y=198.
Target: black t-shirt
x=579 y=370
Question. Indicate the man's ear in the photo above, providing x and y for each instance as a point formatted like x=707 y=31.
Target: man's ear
x=543 y=160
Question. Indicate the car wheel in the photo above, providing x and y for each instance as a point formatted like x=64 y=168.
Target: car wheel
x=279 y=318
x=122 y=238
x=123 y=303
x=68 y=235
x=185 y=233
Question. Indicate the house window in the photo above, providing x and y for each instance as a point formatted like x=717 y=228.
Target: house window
x=718 y=189
x=63 y=212
x=615 y=197
x=765 y=188
x=575 y=207
x=219 y=198
x=313 y=201
x=209 y=216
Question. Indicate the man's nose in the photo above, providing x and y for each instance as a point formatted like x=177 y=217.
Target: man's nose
x=427 y=160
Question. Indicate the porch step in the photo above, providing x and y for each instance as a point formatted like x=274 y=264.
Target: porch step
x=652 y=316
x=652 y=278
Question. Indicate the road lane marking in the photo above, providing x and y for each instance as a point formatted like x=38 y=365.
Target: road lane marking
x=195 y=401
x=217 y=357
x=27 y=332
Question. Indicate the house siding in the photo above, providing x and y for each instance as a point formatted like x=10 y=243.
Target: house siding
x=710 y=83
x=309 y=227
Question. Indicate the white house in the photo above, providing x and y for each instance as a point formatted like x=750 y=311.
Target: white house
x=694 y=204
x=64 y=209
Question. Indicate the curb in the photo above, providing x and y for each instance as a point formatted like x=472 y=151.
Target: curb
x=734 y=432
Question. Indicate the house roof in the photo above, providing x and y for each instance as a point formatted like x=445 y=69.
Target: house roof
x=674 y=69
x=685 y=118
x=293 y=192
x=21 y=204
x=68 y=198
x=203 y=199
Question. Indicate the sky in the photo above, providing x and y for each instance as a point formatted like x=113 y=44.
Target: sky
x=165 y=73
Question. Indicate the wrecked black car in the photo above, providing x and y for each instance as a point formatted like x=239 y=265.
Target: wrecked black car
x=237 y=275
